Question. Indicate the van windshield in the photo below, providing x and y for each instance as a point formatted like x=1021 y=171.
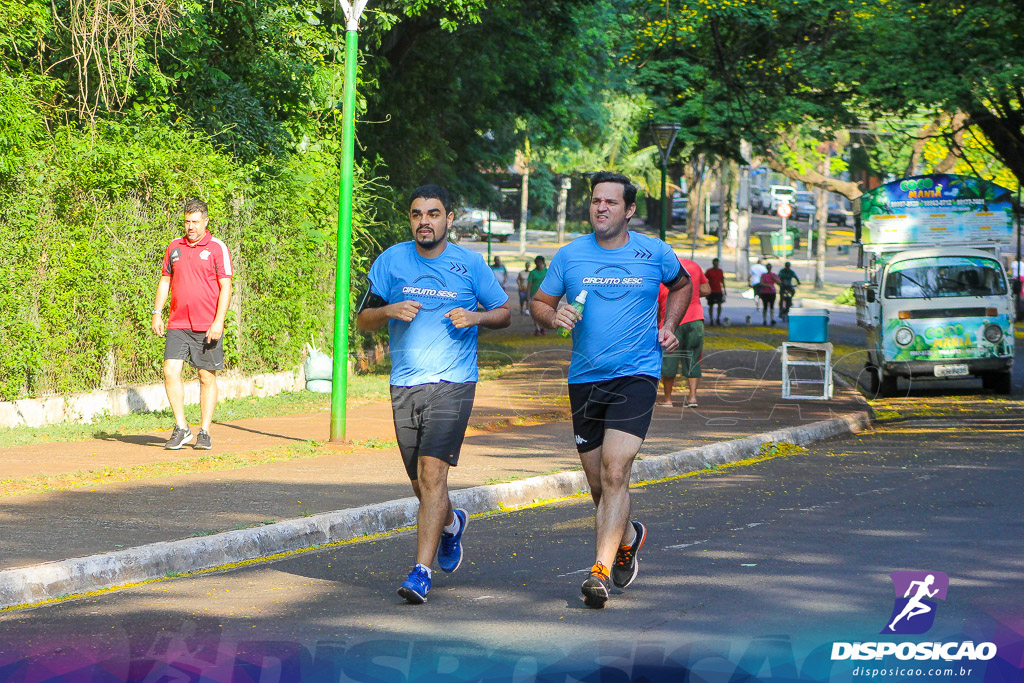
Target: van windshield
x=943 y=276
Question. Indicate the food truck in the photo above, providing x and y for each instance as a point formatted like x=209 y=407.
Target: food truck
x=935 y=301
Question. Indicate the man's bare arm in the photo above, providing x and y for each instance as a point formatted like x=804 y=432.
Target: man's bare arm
x=371 y=319
x=216 y=330
x=679 y=296
x=494 y=319
x=157 y=323
x=543 y=312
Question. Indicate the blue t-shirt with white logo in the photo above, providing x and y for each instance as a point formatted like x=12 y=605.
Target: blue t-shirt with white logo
x=430 y=349
x=618 y=335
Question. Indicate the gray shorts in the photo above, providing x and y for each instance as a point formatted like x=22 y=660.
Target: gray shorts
x=431 y=421
x=192 y=346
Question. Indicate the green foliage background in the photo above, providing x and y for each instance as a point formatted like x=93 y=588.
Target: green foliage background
x=88 y=214
x=113 y=112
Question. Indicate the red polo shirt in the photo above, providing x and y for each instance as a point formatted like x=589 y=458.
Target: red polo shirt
x=716 y=278
x=195 y=271
x=694 y=310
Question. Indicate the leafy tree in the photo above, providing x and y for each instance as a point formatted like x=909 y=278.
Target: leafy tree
x=760 y=69
x=450 y=105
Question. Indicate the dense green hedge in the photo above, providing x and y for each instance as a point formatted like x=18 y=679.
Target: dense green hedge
x=86 y=213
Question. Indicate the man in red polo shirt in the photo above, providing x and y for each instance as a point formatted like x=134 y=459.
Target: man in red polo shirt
x=716 y=279
x=685 y=360
x=197 y=273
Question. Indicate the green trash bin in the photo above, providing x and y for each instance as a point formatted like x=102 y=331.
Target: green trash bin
x=782 y=243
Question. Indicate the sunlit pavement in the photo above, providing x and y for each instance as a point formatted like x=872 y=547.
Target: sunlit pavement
x=758 y=568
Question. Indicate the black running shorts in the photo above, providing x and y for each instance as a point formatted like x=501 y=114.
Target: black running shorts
x=192 y=346
x=431 y=420
x=623 y=403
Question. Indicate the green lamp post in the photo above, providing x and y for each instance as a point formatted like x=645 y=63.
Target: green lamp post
x=664 y=138
x=343 y=278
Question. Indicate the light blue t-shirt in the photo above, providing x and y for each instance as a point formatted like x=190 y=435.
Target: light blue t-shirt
x=618 y=335
x=430 y=349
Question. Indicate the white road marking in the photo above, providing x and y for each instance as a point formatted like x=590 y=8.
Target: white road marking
x=578 y=571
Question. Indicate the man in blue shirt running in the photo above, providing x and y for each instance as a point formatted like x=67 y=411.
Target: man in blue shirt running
x=616 y=360
x=432 y=294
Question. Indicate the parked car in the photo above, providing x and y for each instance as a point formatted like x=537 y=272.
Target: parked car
x=839 y=214
x=473 y=223
x=679 y=208
x=757 y=199
x=714 y=222
x=803 y=206
x=777 y=194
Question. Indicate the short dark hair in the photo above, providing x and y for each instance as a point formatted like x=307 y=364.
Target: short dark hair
x=432 y=192
x=193 y=205
x=628 y=188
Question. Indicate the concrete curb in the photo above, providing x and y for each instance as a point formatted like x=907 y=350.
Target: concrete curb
x=24 y=586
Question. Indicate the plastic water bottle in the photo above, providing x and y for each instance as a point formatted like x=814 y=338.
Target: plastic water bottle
x=581 y=299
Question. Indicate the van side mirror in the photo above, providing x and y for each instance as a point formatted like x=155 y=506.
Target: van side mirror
x=870 y=296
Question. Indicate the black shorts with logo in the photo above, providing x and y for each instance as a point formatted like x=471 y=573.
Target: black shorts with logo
x=192 y=346
x=622 y=403
x=431 y=420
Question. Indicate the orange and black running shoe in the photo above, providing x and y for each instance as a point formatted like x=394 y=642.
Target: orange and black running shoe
x=595 y=588
x=626 y=565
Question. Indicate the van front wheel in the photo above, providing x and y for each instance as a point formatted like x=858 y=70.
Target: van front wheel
x=997 y=382
x=881 y=385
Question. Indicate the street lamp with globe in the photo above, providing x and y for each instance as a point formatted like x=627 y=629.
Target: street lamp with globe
x=664 y=137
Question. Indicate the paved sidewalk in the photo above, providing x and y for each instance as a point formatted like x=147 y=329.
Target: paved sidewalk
x=521 y=430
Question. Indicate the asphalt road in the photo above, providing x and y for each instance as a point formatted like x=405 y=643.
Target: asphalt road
x=752 y=570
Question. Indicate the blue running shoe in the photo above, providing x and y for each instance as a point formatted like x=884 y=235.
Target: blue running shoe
x=415 y=588
x=449 y=553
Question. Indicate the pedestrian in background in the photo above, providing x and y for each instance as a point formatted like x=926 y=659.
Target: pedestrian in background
x=523 y=282
x=685 y=360
x=197 y=273
x=786 y=277
x=500 y=272
x=716 y=297
x=756 y=271
x=616 y=358
x=535 y=278
x=766 y=291
x=426 y=291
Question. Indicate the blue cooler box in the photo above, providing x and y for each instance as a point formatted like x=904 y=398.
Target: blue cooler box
x=808 y=325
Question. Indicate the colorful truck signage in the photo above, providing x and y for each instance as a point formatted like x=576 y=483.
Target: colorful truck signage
x=935 y=210
x=947 y=340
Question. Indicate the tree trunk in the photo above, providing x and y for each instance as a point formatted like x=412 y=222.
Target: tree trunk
x=743 y=223
x=563 y=193
x=822 y=219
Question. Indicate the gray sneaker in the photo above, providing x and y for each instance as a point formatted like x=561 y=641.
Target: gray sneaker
x=203 y=440
x=179 y=437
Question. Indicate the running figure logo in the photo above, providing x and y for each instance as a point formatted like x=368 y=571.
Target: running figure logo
x=914 y=611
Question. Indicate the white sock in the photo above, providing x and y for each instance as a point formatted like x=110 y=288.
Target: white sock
x=428 y=570
x=453 y=528
x=633 y=540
